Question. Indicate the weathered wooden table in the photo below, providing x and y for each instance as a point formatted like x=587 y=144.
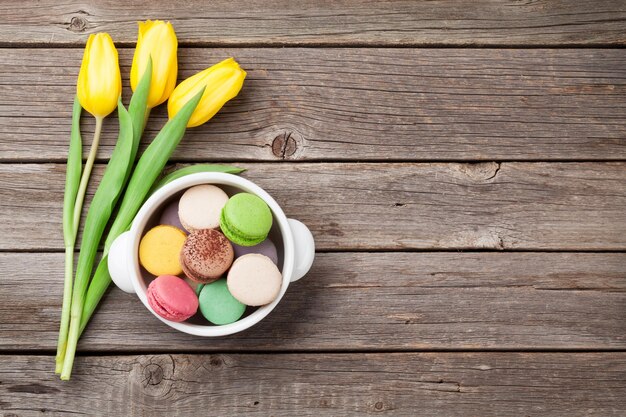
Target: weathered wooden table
x=462 y=166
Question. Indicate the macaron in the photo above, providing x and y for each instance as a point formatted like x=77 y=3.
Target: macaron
x=169 y=216
x=218 y=305
x=159 y=250
x=266 y=248
x=254 y=280
x=200 y=207
x=206 y=254
x=172 y=298
x=246 y=219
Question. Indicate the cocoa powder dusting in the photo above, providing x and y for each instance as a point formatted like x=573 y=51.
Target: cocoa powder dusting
x=207 y=252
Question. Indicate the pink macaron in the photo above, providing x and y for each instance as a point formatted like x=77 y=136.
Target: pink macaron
x=172 y=298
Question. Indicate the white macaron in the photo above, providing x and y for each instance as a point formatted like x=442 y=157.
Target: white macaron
x=254 y=280
x=200 y=207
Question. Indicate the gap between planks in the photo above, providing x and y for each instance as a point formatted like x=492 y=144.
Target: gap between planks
x=103 y=353
x=326 y=45
x=57 y=161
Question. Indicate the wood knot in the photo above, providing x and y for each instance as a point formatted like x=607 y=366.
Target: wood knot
x=479 y=171
x=284 y=146
x=380 y=406
x=216 y=362
x=77 y=24
x=152 y=374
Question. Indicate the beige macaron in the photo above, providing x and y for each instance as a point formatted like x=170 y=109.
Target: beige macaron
x=254 y=280
x=200 y=207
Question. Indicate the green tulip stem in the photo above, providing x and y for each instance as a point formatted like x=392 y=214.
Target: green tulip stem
x=72 y=179
x=84 y=179
x=65 y=313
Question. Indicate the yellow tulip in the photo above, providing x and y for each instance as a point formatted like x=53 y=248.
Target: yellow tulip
x=99 y=81
x=223 y=82
x=156 y=39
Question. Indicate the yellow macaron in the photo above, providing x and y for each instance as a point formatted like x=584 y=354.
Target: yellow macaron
x=159 y=250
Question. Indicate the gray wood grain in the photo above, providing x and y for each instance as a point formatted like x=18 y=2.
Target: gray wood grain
x=353 y=104
x=573 y=206
x=400 y=384
x=281 y=22
x=356 y=102
x=360 y=301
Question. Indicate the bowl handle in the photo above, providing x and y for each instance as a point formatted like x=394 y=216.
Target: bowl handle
x=119 y=263
x=304 y=249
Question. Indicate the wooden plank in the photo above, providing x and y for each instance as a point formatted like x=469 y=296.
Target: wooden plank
x=530 y=206
x=348 y=22
x=400 y=384
x=360 y=301
x=354 y=104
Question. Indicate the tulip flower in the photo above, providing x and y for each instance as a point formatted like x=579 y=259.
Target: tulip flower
x=99 y=81
x=221 y=82
x=156 y=39
x=99 y=88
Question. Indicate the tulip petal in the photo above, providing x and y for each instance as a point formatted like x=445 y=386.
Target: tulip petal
x=156 y=39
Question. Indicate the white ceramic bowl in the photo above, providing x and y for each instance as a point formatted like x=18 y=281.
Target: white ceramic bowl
x=294 y=241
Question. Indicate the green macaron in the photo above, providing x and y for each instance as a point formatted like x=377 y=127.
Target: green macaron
x=246 y=219
x=217 y=305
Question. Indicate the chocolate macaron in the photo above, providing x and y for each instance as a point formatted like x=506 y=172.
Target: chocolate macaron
x=206 y=255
